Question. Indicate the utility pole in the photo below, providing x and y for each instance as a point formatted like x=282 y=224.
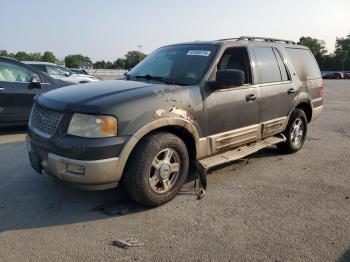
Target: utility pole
x=140 y=47
x=345 y=57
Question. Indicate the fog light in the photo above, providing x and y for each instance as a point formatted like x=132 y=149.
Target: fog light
x=75 y=169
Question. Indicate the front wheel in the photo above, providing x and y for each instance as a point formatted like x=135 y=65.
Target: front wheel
x=295 y=132
x=156 y=169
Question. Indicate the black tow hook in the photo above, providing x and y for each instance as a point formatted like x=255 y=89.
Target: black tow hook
x=201 y=172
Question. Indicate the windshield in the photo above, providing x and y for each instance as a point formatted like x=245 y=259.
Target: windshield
x=178 y=64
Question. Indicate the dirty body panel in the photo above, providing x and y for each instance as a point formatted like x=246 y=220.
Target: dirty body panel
x=217 y=119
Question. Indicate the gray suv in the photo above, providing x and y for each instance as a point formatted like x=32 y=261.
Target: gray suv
x=186 y=107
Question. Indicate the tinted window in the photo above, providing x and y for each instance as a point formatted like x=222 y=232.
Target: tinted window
x=39 y=67
x=236 y=58
x=304 y=63
x=11 y=72
x=56 y=70
x=282 y=65
x=184 y=64
x=267 y=64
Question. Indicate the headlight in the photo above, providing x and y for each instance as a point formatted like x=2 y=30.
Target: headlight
x=93 y=126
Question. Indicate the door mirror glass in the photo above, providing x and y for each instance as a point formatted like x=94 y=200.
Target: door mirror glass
x=229 y=77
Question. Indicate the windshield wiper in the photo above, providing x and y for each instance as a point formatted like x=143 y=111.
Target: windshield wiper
x=161 y=79
x=149 y=77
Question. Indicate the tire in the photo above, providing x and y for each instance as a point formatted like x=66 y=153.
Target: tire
x=150 y=176
x=295 y=139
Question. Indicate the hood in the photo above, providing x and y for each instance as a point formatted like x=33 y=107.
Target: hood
x=93 y=96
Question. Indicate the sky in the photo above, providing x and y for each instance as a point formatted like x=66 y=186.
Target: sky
x=107 y=29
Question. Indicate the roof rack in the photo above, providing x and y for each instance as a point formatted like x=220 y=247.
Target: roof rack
x=256 y=38
x=266 y=39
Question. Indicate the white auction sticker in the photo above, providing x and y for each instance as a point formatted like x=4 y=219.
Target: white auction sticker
x=199 y=52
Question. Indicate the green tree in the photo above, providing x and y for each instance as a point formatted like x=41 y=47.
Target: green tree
x=75 y=61
x=316 y=46
x=35 y=56
x=342 y=53
x=119 y=63
x=22 y=56
x=132 y=58
x=100 y=65
x=4 y=53
x=48 y=57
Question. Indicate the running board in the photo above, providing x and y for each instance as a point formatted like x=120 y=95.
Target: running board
x=240 y=152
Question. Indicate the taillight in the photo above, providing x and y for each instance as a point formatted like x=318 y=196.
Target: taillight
x=322 y=89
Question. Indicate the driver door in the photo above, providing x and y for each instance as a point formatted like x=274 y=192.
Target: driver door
x=232 y=113
x=16 y=94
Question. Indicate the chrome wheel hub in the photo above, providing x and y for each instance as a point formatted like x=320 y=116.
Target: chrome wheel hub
x=164 y=170
x=297 y=132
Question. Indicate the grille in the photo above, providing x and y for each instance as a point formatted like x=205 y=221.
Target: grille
x=44 y=120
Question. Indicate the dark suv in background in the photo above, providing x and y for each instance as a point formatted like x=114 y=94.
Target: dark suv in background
x=198 y=104
x=19 y=83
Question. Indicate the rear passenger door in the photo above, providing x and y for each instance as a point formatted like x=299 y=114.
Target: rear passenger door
x=276 y=91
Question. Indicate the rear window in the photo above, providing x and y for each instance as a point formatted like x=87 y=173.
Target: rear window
x=304 y=63
x=267 y=64
x=39 y=67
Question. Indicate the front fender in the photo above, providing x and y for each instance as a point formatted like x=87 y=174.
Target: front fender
x=151 y=126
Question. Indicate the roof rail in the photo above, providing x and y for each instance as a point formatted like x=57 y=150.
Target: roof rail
x=266 y=39
x=227 y=39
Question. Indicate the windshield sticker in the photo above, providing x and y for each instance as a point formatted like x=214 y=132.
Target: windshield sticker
x=191 y=75
x=199 y=52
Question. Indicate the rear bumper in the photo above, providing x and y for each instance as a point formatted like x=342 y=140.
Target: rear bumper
x=83 y=174
x=316 y=112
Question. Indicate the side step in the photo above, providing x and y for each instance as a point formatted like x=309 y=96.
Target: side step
x=239 y=153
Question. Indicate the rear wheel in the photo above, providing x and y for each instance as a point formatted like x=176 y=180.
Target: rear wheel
x=295 y=132
x=157 y=169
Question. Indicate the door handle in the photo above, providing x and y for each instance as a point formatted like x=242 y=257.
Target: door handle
x=291 y=91
x=250 y=97
x=1 y=88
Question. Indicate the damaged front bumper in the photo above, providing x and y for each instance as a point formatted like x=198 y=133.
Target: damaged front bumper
x=82 y=174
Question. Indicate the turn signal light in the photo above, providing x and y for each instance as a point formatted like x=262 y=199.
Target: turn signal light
x=108 y=125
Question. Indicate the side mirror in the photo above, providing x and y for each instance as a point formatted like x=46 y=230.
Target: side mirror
x=35 y=83
x=66 y=74
x=229 y=77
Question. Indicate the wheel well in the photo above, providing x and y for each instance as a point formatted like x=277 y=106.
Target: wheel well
x=185 y=135
x=307 y=110
x=182 y=133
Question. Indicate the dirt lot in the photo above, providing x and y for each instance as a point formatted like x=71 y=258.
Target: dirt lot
x=268 y=207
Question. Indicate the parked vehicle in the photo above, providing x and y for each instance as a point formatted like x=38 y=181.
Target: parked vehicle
x=19 y=83
x=333 y=75
x=78 y=71
x=198 y=104
x=61 y=73
x=346 y=75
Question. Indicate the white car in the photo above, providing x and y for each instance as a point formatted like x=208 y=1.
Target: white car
x=61 y=73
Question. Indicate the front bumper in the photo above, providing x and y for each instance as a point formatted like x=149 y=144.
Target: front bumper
x=83 y=174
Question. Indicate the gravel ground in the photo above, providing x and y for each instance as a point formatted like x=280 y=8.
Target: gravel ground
x=267 y=207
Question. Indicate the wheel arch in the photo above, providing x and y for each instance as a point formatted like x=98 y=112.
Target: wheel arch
x=178 y=126
x=306 y=107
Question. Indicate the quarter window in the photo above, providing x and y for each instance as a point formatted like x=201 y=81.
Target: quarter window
x=267 y=64
x=304 y=63
x=11 y=72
